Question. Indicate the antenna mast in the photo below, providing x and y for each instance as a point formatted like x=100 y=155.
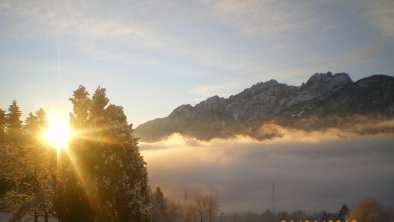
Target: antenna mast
x=273 y=198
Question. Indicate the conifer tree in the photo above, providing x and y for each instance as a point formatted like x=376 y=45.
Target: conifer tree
x=343 y=212
x=99 y=103
x=72 y=198
x=81 y=105
x=28 y=167
x=115 y=183
x=122 y=180
x=165 y=210
x=159 y=205
x=14 y=123
x=3 y=122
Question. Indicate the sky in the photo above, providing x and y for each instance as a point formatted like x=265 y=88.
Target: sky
x=153 y=56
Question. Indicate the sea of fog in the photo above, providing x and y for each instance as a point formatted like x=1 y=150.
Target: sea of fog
x=311 y=171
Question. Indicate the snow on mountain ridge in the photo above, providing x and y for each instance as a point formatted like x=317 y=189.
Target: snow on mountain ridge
x=323 y=94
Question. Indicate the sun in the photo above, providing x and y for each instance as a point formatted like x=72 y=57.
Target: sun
x=58 y=133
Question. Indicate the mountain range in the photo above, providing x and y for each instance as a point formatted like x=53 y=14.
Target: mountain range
x=325 y=100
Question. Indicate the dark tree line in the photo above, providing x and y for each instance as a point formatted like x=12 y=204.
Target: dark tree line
x=366 y=210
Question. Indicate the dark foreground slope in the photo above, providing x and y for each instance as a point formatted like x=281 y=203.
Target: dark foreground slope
x=325 y=100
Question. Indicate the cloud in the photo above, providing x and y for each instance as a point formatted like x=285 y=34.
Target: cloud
x=221 y=34
x=263 y=17
x=96 y=29
x=380 y=14
x=312 y=171
x=231 y=39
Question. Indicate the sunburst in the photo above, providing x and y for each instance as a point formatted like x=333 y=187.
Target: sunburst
x=58 y=133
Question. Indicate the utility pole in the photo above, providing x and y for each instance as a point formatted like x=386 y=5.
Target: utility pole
x=273 y=199
x=185 y=197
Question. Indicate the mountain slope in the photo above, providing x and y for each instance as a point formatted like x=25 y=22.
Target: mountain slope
x=324 y=95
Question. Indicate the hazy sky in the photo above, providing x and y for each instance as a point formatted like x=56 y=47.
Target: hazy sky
x=155 y=55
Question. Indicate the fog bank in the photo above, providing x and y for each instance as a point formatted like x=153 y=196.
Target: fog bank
x=312 y=171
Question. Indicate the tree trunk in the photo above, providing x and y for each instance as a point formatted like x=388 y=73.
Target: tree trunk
x=46 y=217
x=35 y=217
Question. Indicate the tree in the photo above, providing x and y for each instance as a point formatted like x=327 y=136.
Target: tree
x=14 y=123
x=298 y=215
x=3 y=122
x=343 y=212
x=72 y=201
x=158 y=205
x=28 y=167
x=104 y=177
x=81 y=104
x=164 y=210
x=368 y=210
x=206 y=207
x=42 y=162
x=325 y=215
x=283 y=215
x=188 y=212
x=100 y=101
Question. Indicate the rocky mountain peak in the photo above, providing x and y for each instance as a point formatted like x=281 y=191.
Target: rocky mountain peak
x=341 y=79
x=324 y=94
x=214 y=99
x=320 y=77
x=181 y=110
x=269 y=83
x=326 y=81
x=212 y=103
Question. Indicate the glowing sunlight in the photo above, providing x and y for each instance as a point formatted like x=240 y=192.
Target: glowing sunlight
x=57 y=133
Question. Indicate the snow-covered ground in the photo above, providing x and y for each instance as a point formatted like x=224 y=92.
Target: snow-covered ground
x=3 y=218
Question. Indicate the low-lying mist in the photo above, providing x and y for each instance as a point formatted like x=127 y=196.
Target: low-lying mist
x=312 y=171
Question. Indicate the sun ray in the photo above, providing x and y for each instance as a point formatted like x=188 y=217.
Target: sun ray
x=94 y=135
x=67 y=156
